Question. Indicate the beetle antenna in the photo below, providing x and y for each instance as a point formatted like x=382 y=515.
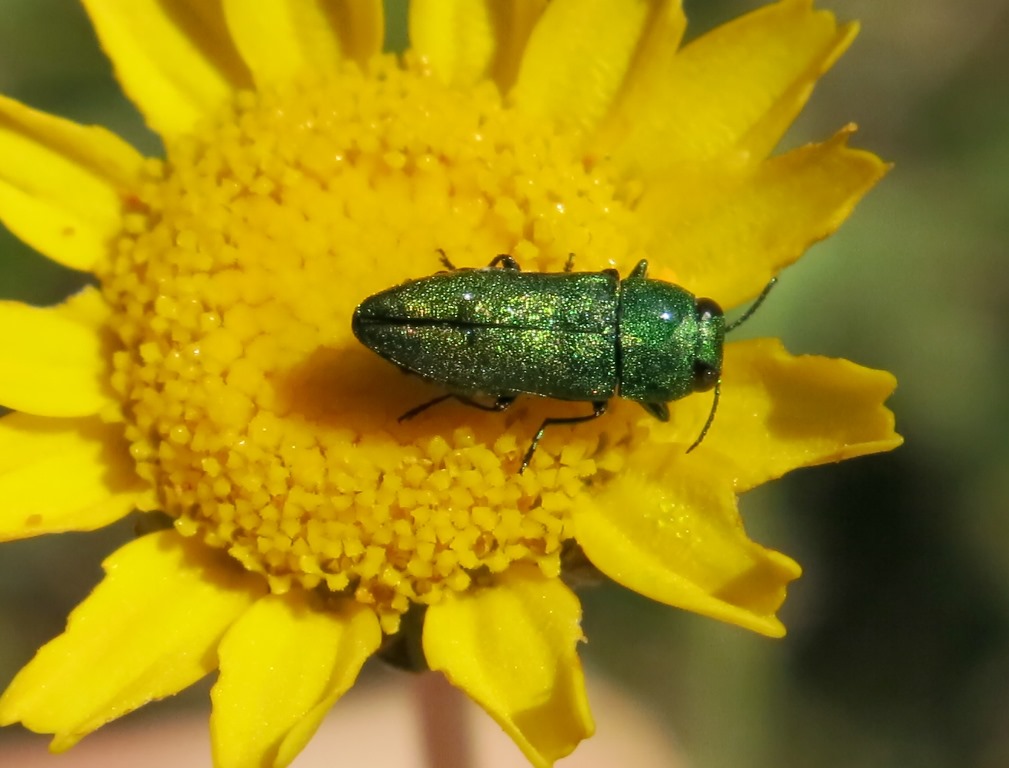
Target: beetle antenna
x=711 y=415
x=753 y=308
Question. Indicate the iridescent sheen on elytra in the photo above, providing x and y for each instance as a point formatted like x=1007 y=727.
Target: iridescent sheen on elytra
x=500 y=332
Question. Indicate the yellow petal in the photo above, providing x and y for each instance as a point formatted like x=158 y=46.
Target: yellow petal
x=464 y=41
x=725 y=235
x=283 y=665
x=360 y=26
x=174 y=58
x=454 y=37
x=779 y=412
x=87 y=307
x=513 y=24
x=147 y=631
x=512 y=648
x=282 y=40
x=733 y=91
x=640 y=109
x=62 y=184
x=667 y=527
x=577 y=58
x=52 y=361
x=97 y=484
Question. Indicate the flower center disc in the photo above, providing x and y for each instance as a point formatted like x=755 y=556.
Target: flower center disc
x=264 y=426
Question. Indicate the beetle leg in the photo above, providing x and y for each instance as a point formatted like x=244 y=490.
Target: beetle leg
x=500 y=404
x=445 y=261
x=423 y=407
x=506 y=262
x=570 y=263
x=598 y=409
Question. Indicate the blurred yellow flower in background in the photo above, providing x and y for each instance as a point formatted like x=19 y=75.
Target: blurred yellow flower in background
x=212 y=374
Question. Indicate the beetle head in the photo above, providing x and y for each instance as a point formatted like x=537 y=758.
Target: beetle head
x=708 y=357
x=710 y=335
x=711 y=326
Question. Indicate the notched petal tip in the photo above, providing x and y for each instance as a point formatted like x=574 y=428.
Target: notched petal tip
x=730 y=230
x=668 y=528
x=817 y=395
x=780 y=411
x=762 y=590
x=841 y=140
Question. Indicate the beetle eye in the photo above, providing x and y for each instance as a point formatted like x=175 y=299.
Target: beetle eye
x=705 y=376
x=707 y=309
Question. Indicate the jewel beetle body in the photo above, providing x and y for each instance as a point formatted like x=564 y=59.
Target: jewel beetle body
x=495 y=333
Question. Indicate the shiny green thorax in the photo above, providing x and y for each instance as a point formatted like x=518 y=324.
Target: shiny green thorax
x=670 y=343
x=495 y=333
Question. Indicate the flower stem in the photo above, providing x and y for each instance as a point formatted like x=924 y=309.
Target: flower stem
x=443 y=722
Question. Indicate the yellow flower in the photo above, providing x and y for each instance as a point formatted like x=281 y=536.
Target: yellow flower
x=213 y=374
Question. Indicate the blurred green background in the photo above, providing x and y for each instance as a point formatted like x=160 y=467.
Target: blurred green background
x=898 y=650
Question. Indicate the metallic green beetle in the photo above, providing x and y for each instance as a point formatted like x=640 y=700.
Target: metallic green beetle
x=495 y=333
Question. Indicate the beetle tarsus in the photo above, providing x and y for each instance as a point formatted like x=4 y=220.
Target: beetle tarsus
x=598 y=409
x=500 y=404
